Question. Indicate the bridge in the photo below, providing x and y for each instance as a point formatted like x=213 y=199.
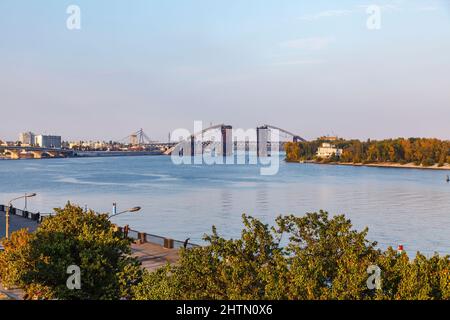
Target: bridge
x=221 y=138
x=19 y=152
x=141 y=140
x=226 y=140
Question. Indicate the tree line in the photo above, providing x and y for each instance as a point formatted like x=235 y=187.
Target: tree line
x=420 y=151
x=309 y=257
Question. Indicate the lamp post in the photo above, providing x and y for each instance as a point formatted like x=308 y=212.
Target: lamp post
x=135 y=209
x=26 y=196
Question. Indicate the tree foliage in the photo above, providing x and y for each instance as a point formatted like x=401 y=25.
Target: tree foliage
x=38 y=261
x=421 y=151
x=309 y=257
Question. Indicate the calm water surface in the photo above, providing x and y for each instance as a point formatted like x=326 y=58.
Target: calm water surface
x=400 y=206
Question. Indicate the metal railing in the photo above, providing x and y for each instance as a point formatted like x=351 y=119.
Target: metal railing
x=168 y=243
x=24 y=214
x=141 y=237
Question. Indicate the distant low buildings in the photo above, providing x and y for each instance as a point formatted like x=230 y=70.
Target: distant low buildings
x=43 y=141
x=327 y=150
x=90 y=145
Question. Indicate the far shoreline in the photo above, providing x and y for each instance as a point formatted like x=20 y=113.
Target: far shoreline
x=378 y=165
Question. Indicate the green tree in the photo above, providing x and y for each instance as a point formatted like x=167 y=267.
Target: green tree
x=71 y=237
x=421 y=151
x=14 y=260
x=423 y=278
x=309 y=257
x=326 y=258
x=225 y=269
x=292 y=152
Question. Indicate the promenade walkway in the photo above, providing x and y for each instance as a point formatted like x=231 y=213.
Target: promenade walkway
x=153 y=256
x=15 y=223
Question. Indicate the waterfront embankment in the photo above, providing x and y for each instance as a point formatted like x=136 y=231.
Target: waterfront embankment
x=96 y=154
x=378 y=165
x=89 y=154
x=152 y=251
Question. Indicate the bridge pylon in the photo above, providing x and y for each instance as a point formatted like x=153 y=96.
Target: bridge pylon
x=227 y=140
x=262 y=137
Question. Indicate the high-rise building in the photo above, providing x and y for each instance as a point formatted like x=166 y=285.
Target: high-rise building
x=48 y=141
x=26 y=138
x=134 y=140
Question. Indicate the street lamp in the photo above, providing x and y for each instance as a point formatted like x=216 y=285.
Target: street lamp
x=135 y=209
x=26 y=196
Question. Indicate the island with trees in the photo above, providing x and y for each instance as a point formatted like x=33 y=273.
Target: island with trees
x=400 y=152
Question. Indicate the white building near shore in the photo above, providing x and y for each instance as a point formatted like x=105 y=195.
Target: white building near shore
x=327 y=150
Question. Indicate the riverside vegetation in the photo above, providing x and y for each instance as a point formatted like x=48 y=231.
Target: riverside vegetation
x=311 y=257
x=419 y=151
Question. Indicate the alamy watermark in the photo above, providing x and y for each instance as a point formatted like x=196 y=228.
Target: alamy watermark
x=374 y=279
x=73 y=22
x=74 y=280
x=374 y=19
x=224 y=145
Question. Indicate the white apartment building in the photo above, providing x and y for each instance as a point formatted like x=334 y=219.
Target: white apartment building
x=48 y=141
x=27 y=138
x=327 y=150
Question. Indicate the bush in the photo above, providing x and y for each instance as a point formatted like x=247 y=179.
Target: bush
x=428 y=162
x=313 y=257
x=14 y=260
x=38 y=262
x=322 y=258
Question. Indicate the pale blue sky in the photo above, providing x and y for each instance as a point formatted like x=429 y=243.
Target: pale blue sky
x=311 y=67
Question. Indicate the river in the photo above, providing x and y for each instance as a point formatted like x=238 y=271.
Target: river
x=400 y=206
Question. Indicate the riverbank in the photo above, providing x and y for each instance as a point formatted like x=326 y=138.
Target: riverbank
x=96 y=154
x=379 y=165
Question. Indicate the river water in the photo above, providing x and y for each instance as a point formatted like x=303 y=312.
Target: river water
x=400 y=206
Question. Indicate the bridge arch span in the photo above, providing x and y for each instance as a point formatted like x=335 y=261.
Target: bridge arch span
x=188 y=142
x=294 y=136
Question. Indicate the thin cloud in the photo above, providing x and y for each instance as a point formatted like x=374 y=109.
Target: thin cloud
x=313 y=44
x=326 y=14
x=299 y=62
x=427 y=8
x=360 y=8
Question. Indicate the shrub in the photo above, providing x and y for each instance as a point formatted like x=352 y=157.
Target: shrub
x=322 y=258
x=428 y=162
x=38 y=262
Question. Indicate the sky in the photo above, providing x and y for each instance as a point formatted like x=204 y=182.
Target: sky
x=311 y=67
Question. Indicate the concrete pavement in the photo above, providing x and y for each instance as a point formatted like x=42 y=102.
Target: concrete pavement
x=153 y=256
x=15 y=223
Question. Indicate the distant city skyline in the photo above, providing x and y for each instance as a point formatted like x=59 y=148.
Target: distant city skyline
x=313 y=68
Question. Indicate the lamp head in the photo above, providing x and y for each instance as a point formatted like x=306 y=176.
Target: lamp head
x=135 y=209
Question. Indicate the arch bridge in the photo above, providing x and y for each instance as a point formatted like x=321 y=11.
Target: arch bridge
x=19 y=152
x=224 y=135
